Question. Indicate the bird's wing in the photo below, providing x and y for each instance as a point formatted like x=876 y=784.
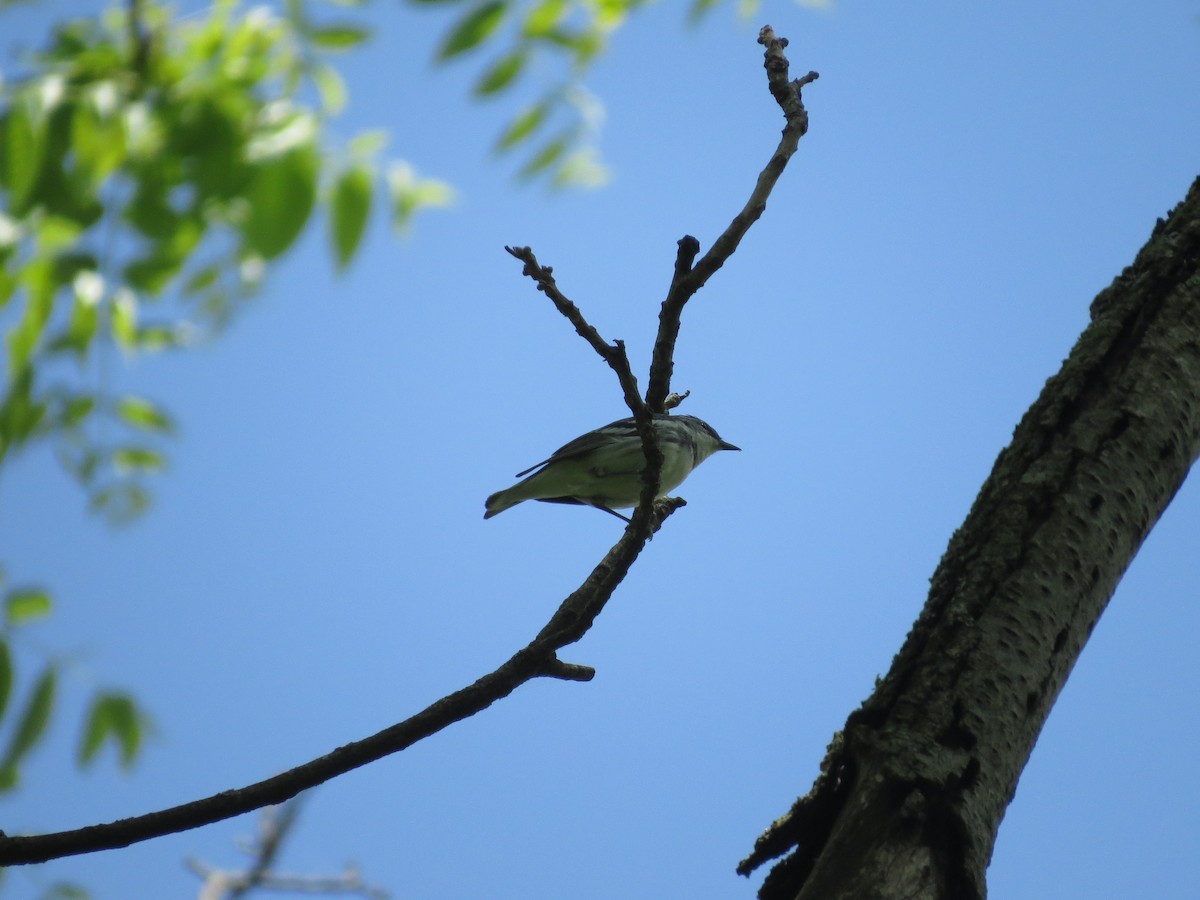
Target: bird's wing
x=586 y=443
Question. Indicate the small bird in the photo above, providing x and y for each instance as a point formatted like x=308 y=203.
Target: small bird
x=603 y=468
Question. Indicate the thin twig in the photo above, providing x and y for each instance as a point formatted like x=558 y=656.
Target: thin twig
x=276 y=825
x=613 y=354
x=688 y=278
x=218 y=882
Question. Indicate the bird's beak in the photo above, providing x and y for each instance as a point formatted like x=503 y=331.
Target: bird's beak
x=725 y=445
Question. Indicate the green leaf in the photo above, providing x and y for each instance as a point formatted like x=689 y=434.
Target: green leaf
x=6 y=676
x=138 y=459
x=747 y=8
x=8 y=283
x=411 y=194
x=65 y=890
x=82 y=464
x=331 y=88
x=584 y=43
x=581 y=169
x=609 y=14
x=25 y=605
x=150 y=212
x=339 y=37
x=95 y=730
x=32 y=723
x=699 y=9
x=525 y=124
x=58 y=233
x=501 y=73
x=120 y=503
x=126 y=727
x=23 y=338
x=154 y=271
x=97 y=139
x=297 y=14
x=113 y=716
x=77 y=409
x=550 y=153
x=202 y=279
x=281 y=198
x=80 y=270
x=151 y=274
x=351 y=206
x=20 y=414
x=544 y=17
x=366 y=144
x=141 y=413
x=85 y=313
x=282 y=135
x=24 y=139
x=472 y=29
x=124 y=319
x=152 y=338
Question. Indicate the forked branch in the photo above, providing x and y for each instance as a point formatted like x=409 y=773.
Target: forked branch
x=577 y=612
x=689 y=277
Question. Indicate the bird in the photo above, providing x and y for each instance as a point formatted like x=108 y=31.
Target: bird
x=603 y=468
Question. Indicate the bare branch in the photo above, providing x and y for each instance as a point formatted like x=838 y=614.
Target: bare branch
x=688 y=278
x=572 y=620
x=568 y=624
x=275 y=826
x=613 y=354
x=218 y=883
x=556 y=668
x=673 y=400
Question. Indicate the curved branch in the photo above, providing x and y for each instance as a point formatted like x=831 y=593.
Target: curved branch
x=537 y=659
x=689 y=278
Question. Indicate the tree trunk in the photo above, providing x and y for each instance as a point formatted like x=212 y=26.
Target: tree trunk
x=913 y=790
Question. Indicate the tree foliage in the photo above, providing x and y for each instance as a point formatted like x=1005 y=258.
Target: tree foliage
x=152 y=168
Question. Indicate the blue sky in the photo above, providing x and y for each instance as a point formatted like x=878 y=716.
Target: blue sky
x=316 y=566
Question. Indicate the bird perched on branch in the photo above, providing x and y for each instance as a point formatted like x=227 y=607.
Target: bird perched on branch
x=603 y=468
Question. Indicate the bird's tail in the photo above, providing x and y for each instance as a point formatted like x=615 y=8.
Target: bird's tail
x=500 y=501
